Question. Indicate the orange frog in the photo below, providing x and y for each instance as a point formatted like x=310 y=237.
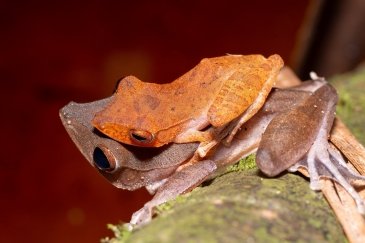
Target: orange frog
x=197 y=107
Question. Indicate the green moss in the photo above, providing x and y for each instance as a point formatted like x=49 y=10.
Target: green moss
x=167 y=206
x=242 y=206
x=351 y=105
x=121 y=233
x=243 y=164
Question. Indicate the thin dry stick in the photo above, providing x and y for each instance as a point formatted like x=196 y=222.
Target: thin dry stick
x=343 y=139
x=345 y=209
x=341 y=202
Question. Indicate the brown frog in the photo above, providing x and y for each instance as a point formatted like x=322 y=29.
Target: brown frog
x=300 y=118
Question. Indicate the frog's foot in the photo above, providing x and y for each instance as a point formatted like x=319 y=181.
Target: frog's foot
x=205 y=147
x=141 y=217
x=218 y=135
x=211 y=137
x=206 y=138
x=324 y=160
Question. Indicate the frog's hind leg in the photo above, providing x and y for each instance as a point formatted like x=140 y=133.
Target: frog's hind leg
x=303 y=133
x=244 y=92
x=250 y=112
x=230 y=129
x=325 y=161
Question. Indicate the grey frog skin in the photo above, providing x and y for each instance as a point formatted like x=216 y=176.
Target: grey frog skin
x=299 y=117
x=124 y=166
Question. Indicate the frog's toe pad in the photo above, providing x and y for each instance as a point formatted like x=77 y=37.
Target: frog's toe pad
x=141 y=217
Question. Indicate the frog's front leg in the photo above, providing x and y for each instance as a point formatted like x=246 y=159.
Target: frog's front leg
x=303 y=134
x=182 y=181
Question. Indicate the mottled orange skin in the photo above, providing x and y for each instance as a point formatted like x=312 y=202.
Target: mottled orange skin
x=214 y=92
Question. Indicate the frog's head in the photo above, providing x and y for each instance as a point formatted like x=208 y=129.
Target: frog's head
x=124 y=166
x=101 y=152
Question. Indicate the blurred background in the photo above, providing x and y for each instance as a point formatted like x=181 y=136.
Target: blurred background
x=54 y=52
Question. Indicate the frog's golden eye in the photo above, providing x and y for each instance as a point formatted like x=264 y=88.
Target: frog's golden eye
x=141 y=137
x=104 y=159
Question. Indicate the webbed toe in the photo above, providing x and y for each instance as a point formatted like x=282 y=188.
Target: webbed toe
x=325 y=161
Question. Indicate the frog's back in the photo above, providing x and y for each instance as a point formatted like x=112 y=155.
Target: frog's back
x=252 y=75
x=172 y=108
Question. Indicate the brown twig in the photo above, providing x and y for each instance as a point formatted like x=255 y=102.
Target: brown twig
x=345 y=209
x=343 y=139
x=341 y=202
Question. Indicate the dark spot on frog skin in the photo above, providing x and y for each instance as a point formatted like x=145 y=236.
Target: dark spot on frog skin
x=180 y=91
x=151 y=101
x=136 y=106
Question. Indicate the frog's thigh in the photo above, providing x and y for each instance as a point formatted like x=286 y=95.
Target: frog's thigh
x=236 y=94
x=290 y=135
x=251 y=110
x=244 y=93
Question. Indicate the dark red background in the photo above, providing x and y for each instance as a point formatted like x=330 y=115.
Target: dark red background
x=52 y=53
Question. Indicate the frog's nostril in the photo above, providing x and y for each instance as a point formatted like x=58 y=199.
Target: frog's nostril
x=140 y=136
x=104 y=159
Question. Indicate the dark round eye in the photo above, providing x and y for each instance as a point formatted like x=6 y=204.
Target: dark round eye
x=104 y=159
x=140 y=136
